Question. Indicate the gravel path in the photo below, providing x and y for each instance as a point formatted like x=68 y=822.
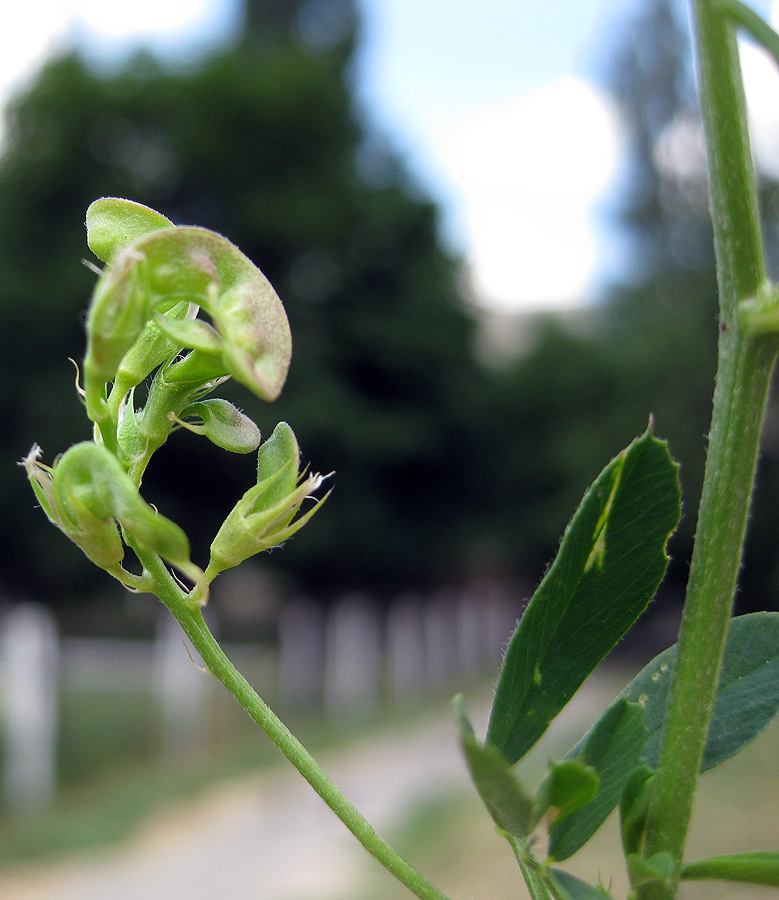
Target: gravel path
x=267 y=837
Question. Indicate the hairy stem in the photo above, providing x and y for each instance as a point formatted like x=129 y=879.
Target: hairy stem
x=191 y=620
x=745 y=365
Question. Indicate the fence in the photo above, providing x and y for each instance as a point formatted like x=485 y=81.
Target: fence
x=343 y=662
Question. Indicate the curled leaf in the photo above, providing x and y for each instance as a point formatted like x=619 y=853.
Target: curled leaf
x=205 y=268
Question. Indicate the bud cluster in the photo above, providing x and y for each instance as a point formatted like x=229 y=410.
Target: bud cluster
x=143 y=323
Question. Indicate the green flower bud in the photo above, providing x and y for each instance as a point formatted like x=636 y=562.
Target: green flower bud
x=193 y=333
x=222 y=424
x=87 y=492
x=97 y=536
x=195 y=369
x=113 y=224
x=263 y=517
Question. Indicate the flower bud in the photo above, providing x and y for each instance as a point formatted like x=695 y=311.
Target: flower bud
x=151 y=348
x=263 y=517
x=87 y=492
x=97 y=536
x=222 y=424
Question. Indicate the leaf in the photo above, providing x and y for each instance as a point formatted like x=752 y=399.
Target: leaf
x=613 y=748
x=757 y=867
x=610 y=562
x=658 y=868
x=569 y=784
x=633 y=808
x=569 y=887
x=746 y=699
x=499 y=790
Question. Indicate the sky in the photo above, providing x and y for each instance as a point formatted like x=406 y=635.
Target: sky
x=492 y=104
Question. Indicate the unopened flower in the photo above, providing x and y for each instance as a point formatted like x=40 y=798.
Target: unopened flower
x=88 y=495
x=265 y=516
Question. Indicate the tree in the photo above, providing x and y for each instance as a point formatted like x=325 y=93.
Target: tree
x=660 y=317
x=264 y=143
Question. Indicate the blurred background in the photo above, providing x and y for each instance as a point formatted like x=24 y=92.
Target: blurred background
x=488 y=224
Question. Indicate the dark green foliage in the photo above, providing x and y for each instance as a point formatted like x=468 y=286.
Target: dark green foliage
x=746 y=701
x=261 y=142
x=501 y=793
x=569 y=887
x=613 y=748
x=610 y=563
x=757 y=867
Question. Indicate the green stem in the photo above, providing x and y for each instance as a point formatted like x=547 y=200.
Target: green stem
x=745 y=365
x=191 y=620
x=747 y=18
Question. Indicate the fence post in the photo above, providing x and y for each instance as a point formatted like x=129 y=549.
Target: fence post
x=353 y=656
x=180 y=690
x=301 y=655
x=29 y=651
x=405 y=649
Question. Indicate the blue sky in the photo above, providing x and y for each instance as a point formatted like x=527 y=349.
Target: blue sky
x=491 y=102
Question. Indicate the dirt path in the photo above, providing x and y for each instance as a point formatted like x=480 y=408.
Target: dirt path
x=267 y=837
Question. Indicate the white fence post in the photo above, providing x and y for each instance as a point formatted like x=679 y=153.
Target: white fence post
x=352 y=656
x=30 y=657
x=301 y=654
x=405 y=649
x=180 y=690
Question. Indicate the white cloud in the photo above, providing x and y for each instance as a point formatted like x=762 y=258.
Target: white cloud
x=138 y=17
x=761 y=83
x=529 y=172
x=27 y=37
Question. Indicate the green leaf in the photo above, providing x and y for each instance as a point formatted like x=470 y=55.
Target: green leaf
x=746 y=700
x=610 y=562
x=569 y=784
x=633 y=808
x=757 y=867
x=612 y=747
x=499 y=790
x=658 y=868
x=569 y=887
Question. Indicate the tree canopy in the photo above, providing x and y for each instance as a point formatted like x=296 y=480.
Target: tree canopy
x=445 y=464
x=263 y=142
